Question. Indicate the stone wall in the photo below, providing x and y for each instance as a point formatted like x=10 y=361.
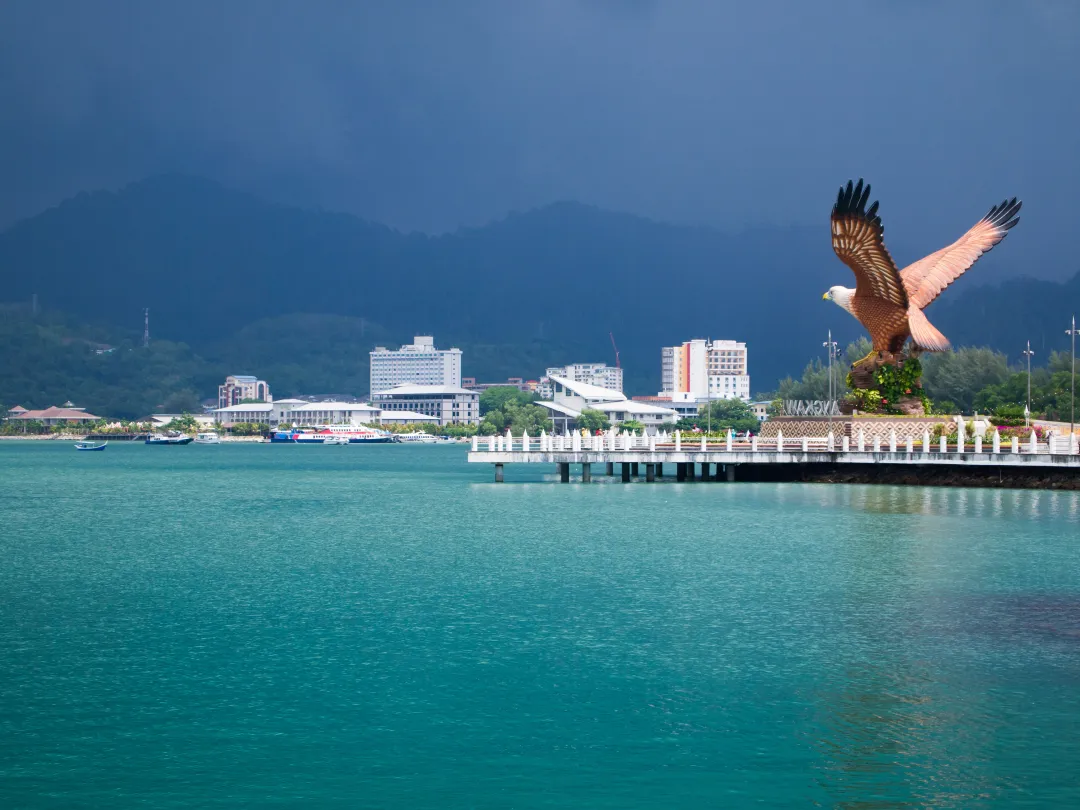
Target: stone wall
x=880 y=427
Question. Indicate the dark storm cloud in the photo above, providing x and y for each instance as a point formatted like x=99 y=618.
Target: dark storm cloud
x=429 y=115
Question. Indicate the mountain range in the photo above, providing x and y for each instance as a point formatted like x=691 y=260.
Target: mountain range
x=264 y=288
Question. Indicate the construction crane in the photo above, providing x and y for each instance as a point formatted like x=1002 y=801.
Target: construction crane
x=616 y=348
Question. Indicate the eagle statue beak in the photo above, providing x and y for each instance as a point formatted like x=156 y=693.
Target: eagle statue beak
x=825 y=297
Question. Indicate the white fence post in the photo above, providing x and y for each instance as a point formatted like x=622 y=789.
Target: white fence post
x=753 y=443
x=978 y=443
x=960 y=442
x=576 y=442
x=995 y=442
x=509 y=440
x=1014 y=445
x=926 y=440
x=779 y=441
x=1034 y=442
x=877 y=443
x=862 y=441
x=524 y=441
x=491 y=444
x=652 y=443
x=805 y=444
x=845 y=443
x=678 y=441
x=892 y=440
x=729 y=439
x=830 y=442
x=943 y=445
x=704 y=442
x=909 y=445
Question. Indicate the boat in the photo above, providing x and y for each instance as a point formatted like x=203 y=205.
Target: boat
x=90 y=445
x=169 y=438
x=336 y=440
x=417 y=437
x=207 y=438
x=318 y=434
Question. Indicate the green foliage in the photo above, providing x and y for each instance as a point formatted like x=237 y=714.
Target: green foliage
x=733 y=414
x=631 y=425
x=960 y=375
x=185 y=423
x=495 y=399
x=593 y=420
x=250 y=429
x=866 y=400
x=518 y=417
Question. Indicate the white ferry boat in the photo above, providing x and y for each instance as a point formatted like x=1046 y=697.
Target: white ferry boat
x=207 y=438
x=318 y=434
x=417 y=437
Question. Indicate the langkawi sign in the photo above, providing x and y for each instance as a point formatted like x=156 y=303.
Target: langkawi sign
x=811 y=407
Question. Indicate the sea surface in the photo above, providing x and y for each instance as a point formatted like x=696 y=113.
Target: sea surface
x=338 y=627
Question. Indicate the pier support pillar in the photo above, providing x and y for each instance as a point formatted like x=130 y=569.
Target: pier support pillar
x=650 y=472
x=719 y=474
x=680 y=471
x=634 y=470
x=564 y=471
x=659 y=469
x=498 y=473
x=730 y=471
x=690 y=470
x=625 y=472
x=586 y=472
x=610 y=469
x=704 y=471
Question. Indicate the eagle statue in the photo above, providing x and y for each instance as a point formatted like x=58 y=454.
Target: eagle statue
x=890 y=302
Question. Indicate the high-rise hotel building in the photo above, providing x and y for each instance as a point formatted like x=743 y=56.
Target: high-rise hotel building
x=416 y=363
x=702 y=370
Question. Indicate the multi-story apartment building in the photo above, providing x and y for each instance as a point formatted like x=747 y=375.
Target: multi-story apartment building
x=445 y=404
x=238 y=387
x=416 y=363
x=598 y=374
x=702 y=370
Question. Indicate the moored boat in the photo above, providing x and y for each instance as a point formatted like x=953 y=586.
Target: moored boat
x=162 y=438
x=417 y=437
x=318 y=434
x=90 y=445
x=207 y=438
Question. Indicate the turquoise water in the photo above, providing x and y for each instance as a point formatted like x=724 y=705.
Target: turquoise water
x=383 y=627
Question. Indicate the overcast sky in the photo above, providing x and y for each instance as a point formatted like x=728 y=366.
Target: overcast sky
x=430 y=115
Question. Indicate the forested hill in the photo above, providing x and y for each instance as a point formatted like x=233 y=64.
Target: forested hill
x=218 y=268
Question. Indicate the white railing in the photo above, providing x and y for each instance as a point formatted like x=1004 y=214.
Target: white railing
x=613 y=441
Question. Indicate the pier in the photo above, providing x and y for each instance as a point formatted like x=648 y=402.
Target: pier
x=690 y=457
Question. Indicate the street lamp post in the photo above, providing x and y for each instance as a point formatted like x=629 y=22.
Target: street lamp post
x=1072 y=379
x=1027 y=414
x=830 y=347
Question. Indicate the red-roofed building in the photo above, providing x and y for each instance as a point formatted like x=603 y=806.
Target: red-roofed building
x=55 y=416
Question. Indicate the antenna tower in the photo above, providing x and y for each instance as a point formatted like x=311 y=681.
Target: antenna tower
x=146 y=328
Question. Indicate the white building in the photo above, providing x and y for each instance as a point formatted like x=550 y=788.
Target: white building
x=443 y=404
x=416 y=363
x=599 y=374
x=700 y=370
x=238 y=387
x=570 y=398
x=298 y=412
x=404 y=418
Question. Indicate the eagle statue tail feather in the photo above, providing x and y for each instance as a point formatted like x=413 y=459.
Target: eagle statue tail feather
x=923 y=333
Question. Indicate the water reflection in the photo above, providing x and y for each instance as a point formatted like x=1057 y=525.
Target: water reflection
x=890 y=740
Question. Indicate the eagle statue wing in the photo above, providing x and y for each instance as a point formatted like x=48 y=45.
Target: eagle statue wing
x=857 y=240
x=925 y=279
